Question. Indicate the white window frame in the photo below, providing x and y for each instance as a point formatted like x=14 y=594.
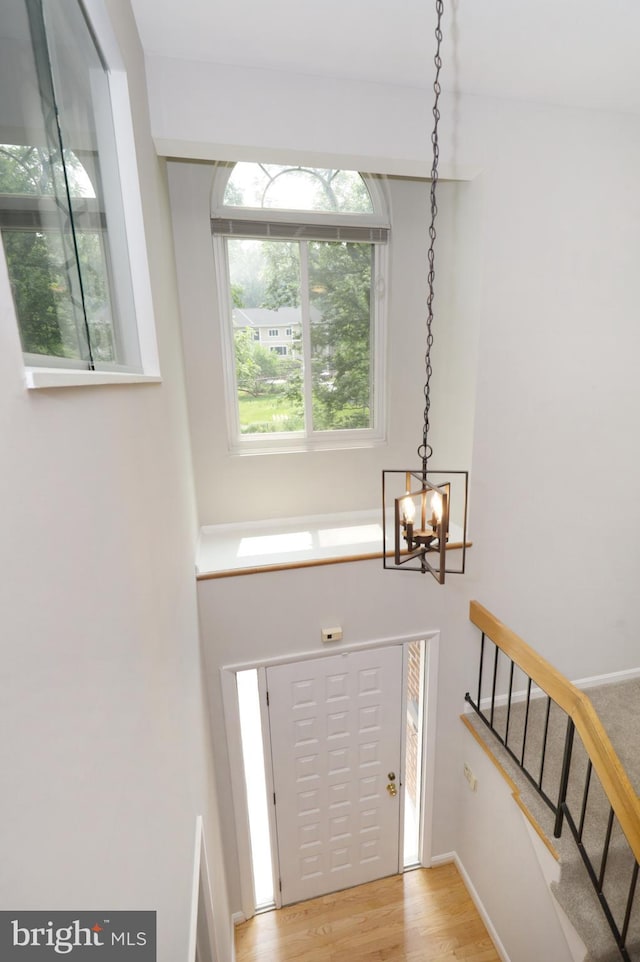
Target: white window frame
x=290 y=441
x=63 y=372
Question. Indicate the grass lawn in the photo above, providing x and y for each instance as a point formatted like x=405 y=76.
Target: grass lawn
x=272 y=413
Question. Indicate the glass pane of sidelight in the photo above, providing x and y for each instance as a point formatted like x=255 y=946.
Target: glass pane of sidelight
x=253 y=761
x=413 y=757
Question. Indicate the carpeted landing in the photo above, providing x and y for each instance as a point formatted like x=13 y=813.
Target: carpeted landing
x=618 y=707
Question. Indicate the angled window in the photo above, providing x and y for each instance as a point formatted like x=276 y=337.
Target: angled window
x=62 y=214
x=301 y=255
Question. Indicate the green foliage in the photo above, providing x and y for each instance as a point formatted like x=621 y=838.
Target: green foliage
x=282 y=276
x=340 y=282
x=257 y=368
x=39 y=294
x=42 y=267
x=268 y=414
x=237 y=295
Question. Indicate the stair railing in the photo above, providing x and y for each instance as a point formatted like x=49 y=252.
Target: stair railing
x=601 y=758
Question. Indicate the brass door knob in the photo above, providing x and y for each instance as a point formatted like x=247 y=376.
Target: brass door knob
x=392 y=789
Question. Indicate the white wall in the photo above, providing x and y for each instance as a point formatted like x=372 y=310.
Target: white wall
x=104 y=743
x=191 y=118
x=555 y=507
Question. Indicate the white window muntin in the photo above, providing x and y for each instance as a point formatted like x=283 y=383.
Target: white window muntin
x=376 y=219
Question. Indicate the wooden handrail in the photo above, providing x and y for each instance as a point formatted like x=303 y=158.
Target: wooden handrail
x=577 y=705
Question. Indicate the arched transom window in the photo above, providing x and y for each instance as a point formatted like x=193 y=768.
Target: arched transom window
x=302 y=258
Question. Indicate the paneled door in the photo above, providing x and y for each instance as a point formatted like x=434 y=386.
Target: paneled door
x=336 y=749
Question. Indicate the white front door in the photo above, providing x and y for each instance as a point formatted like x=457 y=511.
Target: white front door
x=336 y=750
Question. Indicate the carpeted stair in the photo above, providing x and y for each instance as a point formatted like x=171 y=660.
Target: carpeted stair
x=618 y=706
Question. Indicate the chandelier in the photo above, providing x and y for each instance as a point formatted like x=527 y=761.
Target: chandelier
x=429 y=508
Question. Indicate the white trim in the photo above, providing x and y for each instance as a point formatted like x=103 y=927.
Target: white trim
x=583 y=684
x=134 y=221
x=446 y=859
x=430 y=701
x=295 y=443
x=269 y=786
x=195 y=891
x=443 y=859
x=48 y=377
x=238 y=918
x=229 y=380
x=484 y=915
x=612 y=678
x=395 y=166
x=314 y=653
x=550 y=870
x=231 y=709
x=402 y=774
x=200 y=928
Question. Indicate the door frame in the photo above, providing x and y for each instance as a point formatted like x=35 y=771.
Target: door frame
x=234 y=746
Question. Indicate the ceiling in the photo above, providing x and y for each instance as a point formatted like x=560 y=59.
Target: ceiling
x=576 y=52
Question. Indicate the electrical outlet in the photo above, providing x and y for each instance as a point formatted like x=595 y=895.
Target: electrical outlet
x=331 y=634
x=470 y=777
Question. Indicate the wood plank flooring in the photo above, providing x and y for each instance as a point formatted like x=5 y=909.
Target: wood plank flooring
x=422 y=916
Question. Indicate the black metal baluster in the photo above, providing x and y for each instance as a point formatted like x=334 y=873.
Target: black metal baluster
x=506 y=732
x=544 y=741
x=493 y=687
x=627 y=914
x=480 y=673
x=526 y=723
x=583 y=812
x=605 y=853
x=564 y=777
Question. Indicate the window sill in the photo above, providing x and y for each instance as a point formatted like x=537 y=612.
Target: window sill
x=229 y=550
x=51 y=377
x=300 y=444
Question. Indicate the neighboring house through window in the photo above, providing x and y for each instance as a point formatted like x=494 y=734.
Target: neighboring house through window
x=302 y=258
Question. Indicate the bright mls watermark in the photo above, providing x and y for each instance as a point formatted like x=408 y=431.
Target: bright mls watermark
x=101 y=936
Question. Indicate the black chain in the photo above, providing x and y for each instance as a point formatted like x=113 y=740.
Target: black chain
x=425 y=450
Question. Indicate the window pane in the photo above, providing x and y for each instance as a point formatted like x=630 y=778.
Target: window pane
x=59 y=188
x=42 y=266
x=277 y=187
x=83 y=101
x=341 y=351
x=265 y=291
x=49 y=319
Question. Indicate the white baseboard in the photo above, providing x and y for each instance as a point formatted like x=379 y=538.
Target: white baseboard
x=238 y=918
x=551 y=873
x=475 y=898
x=442 y=859
x=611 y=679
x=594 y=681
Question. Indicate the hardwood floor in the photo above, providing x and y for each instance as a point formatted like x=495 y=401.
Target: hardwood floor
x=422 y=916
